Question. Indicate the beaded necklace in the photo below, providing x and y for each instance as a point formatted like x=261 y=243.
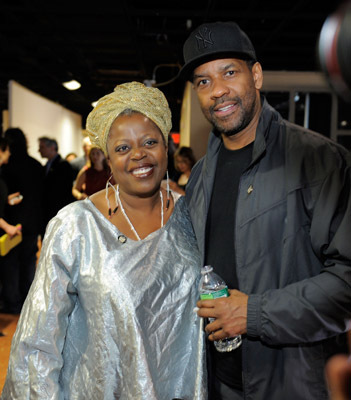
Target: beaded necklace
x=126 y=216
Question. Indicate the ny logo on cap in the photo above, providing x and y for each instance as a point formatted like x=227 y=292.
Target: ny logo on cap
x=203 y=38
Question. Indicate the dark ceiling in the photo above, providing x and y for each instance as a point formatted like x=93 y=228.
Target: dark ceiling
x=102 y=45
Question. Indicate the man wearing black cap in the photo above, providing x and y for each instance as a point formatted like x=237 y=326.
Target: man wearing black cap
x=271 y=208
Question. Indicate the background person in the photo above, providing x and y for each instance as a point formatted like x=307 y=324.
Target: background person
x=92 y=179
x=71 y=156
x=79 y=162
x=271 y=209
x=110 y=312
x=184 y=161
x=58 y=180
x=5 y=227
x=23 y=174
x=172 y=148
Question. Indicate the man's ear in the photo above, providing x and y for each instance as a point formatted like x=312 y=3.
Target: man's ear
x=257 y=75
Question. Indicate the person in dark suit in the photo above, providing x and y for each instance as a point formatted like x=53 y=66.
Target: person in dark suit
x=58 y=180
x=23 y=174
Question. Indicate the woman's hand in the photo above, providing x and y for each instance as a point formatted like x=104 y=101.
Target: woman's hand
x=14 y=230
x=11 y=230
x=14 y=198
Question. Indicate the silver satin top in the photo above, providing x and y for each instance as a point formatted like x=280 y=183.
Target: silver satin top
x=108 y=317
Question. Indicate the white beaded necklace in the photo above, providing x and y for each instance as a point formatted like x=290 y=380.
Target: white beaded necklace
x=126 y=216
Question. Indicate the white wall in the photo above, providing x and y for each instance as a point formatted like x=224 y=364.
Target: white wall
x=194 y=127
x=38 y=116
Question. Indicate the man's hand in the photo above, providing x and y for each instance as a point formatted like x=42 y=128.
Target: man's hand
x=338 y=374
x=230 y=315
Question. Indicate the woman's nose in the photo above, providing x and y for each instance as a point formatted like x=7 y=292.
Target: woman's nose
x=138 y=153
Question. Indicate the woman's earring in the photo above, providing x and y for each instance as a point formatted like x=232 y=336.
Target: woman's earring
x=168 y=192
x=110 y=213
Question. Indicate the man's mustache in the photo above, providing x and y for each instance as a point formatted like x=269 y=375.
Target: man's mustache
x=224 y=100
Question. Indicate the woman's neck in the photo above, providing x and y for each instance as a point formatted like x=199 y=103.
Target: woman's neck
x=98 y=166
x=137 y=203
x=143 y=215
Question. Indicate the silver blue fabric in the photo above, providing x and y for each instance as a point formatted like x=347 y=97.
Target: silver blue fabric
x=108 y=318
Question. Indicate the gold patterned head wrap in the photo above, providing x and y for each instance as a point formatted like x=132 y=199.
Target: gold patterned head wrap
x=135 y=96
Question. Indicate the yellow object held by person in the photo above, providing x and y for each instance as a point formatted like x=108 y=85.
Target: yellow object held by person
x=7 y=242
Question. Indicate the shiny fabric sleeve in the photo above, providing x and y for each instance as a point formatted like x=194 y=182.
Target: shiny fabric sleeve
x=318 y=307
x=36 y=352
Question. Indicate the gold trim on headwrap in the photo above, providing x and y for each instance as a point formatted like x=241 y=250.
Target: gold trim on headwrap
x=149 y=101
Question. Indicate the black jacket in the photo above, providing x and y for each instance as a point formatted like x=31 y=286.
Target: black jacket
x=3 y=200
x=58 y=184
x=25 y=175
x=293 y=252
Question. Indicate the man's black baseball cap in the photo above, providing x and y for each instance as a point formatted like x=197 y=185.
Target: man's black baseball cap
x=212 y=41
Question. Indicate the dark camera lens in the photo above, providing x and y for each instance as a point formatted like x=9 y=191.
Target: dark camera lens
x=334 y=50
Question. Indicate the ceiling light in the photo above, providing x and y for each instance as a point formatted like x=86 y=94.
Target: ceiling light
x=72 y=85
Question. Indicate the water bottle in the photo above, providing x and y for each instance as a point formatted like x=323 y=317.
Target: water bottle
x=213 y=287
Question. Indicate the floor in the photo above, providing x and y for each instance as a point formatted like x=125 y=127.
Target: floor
x=8 y=323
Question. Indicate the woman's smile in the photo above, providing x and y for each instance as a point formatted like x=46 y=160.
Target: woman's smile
x=142 y=171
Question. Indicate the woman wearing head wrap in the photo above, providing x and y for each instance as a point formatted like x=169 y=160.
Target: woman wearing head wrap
x=110 y=314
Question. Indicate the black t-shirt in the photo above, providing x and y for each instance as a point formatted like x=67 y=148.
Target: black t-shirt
x=220 y=248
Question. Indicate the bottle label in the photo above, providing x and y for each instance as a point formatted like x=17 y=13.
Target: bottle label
x=215 y=295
